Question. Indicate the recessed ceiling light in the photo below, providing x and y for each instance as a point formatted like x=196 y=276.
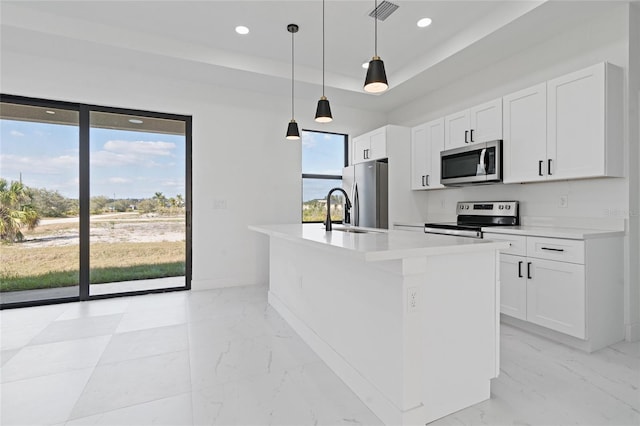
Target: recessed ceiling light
x=424 y=22
x=365 y=65
x=50 y=112
x=241 y=29
x=135 y=121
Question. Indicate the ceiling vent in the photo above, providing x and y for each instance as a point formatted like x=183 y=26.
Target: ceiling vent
x=385 y=9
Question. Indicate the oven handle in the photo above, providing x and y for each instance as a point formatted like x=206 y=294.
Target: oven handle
x=452 y=232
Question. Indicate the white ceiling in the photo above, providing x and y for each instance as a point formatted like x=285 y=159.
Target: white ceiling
x=195 y=40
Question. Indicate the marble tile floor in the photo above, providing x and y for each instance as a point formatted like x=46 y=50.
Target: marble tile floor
x=224 y=357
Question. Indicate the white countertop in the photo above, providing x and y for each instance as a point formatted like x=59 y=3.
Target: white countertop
x=553 y=232
x=381 y=245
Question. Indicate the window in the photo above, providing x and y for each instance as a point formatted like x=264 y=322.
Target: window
x=323 y=157
x=94 y=201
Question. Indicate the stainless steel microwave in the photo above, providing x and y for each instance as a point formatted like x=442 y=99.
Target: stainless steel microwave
x=476 y=163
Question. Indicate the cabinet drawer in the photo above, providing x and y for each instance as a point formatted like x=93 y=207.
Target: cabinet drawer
x=517 y=243
x=556 y=249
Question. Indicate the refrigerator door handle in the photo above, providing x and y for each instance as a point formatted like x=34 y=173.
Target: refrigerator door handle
x=356 y=205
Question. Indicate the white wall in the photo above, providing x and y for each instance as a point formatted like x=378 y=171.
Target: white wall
x=241 y=159
x=595 y=202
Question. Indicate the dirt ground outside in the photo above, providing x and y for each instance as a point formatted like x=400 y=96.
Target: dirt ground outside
x=109 y=228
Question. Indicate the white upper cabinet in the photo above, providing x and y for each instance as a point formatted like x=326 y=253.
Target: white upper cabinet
x=486 y=122
x=457 y=129
x=370 y=146
x=525 y=135
x=584 y=123
x=481 y=123
x=567 y=128
x=427 y=141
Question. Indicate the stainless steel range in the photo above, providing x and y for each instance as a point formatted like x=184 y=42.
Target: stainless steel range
x=474 y=215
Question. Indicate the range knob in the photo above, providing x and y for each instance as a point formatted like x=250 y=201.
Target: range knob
x=501 y=207
x=508 y=206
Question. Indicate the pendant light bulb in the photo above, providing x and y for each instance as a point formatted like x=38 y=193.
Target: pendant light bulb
x=292 y=129
x=323 y=110
x=376 y=79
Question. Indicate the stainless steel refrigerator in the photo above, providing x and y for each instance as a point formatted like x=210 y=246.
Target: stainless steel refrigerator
x=368 y=187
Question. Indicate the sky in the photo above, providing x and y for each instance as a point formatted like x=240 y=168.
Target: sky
x=127 y=164
x=322 y=153
x=124 y=164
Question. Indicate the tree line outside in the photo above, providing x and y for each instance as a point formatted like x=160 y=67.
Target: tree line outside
x=22 y=207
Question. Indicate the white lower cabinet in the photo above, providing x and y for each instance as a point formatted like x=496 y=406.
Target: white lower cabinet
x=513 y=286
x=555 y=296
x=573 y=287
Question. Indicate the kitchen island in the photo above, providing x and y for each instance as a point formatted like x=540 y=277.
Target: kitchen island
x=409 y=321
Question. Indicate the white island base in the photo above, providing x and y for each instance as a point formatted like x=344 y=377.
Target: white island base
x=409 y=322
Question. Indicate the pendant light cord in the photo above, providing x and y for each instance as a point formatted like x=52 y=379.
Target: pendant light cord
x=292 y=76
x=323 y=48
x=375 y=26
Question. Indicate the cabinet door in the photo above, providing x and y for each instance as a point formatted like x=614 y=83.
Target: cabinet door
x=513 y=286
x=556 y=296
x=360 y=149
x=435 y=130
x=525 y=135
x=576 y=124
x=486 y=122
x=419 y=157
x=378 y=144
x=456 y=127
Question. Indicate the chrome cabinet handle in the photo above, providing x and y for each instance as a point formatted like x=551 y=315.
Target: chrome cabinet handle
x=427 y=180
x=528 y=270
x=549 y=166
x=540 y=168
x=520 y=269
x=466 y=135
x=551 y=249
x=471 y=134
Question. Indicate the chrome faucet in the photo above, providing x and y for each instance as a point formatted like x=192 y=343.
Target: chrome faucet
x=347 y=216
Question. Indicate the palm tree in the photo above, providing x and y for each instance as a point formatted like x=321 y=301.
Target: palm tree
x=160 y=199
x=15 y=212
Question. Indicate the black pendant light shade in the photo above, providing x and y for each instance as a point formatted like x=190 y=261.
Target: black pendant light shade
x=292 y=130
x=323 y=111
x=376 y=80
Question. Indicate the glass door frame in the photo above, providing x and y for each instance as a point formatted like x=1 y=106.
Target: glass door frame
x=84 y=195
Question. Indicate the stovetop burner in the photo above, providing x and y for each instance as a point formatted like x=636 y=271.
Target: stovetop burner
x=474 y=215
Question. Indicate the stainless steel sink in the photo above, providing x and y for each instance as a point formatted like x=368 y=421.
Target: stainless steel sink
x=355 y=230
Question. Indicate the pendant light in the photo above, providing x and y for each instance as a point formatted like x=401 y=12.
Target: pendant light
x=376 y=80
x=323 y=111
x=292 y=130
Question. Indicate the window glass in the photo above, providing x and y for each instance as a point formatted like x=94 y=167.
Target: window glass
x=322 y=153
x=314 y=203
x=323 y=157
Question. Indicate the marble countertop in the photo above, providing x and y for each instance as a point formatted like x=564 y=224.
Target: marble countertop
x=379 y=245
x=554 y=232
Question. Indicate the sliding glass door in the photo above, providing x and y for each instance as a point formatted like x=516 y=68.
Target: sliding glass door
x=94 y=201
x=39 y=228
x=138 y=212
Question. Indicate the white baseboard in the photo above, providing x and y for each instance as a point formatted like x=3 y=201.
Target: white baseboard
x=212 y=284
x=632 y=332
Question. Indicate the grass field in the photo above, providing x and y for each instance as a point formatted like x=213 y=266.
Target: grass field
x=38 y=264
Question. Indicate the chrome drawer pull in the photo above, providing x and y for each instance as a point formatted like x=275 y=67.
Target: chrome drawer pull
x=551 y=249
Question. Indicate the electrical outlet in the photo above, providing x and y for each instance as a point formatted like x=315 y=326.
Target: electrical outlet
x=219 y=204
x=412 y=299
x=564 y=201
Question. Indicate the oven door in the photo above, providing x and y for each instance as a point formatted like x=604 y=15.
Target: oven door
x=477 y=163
